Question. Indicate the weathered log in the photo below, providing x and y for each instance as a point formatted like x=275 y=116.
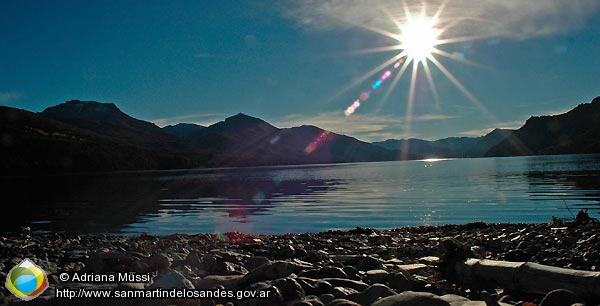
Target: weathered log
x=528 y=277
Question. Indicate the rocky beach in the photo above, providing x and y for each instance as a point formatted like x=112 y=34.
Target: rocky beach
x=362 y=266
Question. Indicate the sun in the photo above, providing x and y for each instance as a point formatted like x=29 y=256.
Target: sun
x=420 y=42
x=418 y=38
x=420 y=46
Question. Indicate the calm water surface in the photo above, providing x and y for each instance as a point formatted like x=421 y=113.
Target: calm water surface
x=273 y=200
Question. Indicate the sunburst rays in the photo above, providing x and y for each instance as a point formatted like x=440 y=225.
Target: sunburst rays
x=420 y=44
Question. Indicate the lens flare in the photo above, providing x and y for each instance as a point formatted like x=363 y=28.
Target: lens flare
x=364 y=96
x=352 y=108
x=313 y=145
x=376 y=84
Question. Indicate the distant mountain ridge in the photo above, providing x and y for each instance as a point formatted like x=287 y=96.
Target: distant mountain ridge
x=78 y=136
x=184 y=130
x=455 y=147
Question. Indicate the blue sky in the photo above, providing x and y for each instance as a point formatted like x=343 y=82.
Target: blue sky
x=304 y=62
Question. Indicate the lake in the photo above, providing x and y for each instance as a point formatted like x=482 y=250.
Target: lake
x=308 y=198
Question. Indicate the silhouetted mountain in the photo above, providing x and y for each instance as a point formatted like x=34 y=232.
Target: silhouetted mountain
x=447 y=147
x=184 y=130
x=32 y=142
x=234 y=133
x=242 y=140
x=577 y=131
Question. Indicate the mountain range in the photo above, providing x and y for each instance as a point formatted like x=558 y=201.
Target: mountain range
x=448 y=147
x=87 y=136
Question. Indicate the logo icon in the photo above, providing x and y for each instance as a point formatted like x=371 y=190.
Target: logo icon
x=26 y=280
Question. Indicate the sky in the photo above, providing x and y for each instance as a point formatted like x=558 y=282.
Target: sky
x=491 y=64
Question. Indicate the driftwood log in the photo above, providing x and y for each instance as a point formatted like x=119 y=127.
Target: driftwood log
x=459 y=265
x=528 y=277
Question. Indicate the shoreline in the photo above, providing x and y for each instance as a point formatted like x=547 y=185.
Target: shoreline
x=362 y=265
x=331 y=230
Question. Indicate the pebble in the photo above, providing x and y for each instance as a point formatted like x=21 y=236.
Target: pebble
x=411 y=298
x=560 y=297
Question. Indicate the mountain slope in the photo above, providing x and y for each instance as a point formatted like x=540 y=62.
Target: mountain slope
x=315 y=145
x=108 y=120
x=577 y=131
x=34 y=143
